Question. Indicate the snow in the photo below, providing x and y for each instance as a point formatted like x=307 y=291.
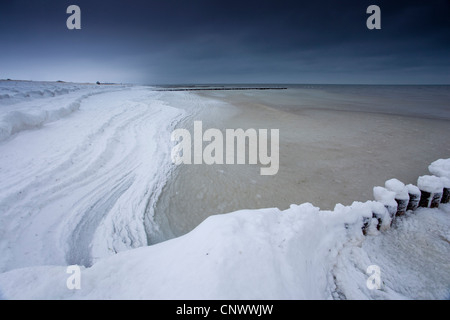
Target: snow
x=413 y=190
x=385 y=196
x=66 y=185
x=440 y=168
x=395 y=185
x=30 y=105
x=298 y=253
x=430 y=184
x=446 y=182
x=413 y=258
x=82 y=167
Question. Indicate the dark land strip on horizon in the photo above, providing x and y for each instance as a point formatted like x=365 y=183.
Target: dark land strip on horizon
x=216 y=89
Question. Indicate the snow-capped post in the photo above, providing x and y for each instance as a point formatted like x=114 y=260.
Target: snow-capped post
x=401 y=195
x=431 y=188
x=381 y=215
x=366 y=225
x=387 y=198
x=446 y=192
x=414 y=197
x=441 y=168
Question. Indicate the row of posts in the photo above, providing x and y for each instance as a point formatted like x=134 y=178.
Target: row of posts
x=398 y=198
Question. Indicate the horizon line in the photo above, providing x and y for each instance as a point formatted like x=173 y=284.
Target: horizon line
x=197 y=84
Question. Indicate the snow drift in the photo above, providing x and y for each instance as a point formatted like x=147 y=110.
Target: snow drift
x=298 y=253
x=29 y=105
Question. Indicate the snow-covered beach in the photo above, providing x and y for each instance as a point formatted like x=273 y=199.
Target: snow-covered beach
x=87 y=179
x=69 y=172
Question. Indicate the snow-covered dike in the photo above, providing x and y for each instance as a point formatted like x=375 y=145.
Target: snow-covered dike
x=83 y=185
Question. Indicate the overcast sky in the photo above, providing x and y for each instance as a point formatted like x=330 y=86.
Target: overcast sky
x=228 y=41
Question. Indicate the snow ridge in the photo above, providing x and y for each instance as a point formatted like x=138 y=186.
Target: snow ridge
x=14 y=121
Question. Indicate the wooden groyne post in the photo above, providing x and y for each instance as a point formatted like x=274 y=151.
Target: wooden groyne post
x=431 y=189
x=398 y=198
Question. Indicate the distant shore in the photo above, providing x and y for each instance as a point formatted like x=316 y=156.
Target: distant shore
x=60 y=81
x=222 y=88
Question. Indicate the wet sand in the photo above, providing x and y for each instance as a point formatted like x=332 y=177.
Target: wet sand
x=334 y=148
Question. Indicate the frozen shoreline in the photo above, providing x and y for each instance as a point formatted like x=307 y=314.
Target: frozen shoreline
x=84 y=189
x=330 y=151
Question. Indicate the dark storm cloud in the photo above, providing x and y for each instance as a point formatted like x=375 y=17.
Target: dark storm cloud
x=228 y=41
